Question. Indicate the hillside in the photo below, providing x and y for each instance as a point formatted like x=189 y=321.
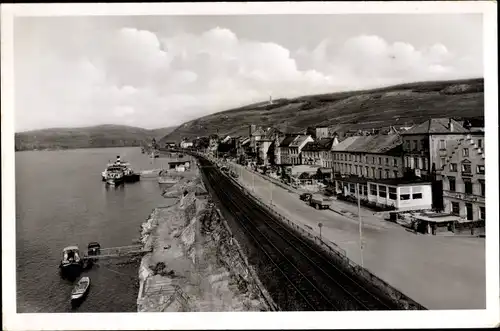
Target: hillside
x=342 y=111
x=87 y=137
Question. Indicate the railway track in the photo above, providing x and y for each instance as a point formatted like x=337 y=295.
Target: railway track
x=298 y=275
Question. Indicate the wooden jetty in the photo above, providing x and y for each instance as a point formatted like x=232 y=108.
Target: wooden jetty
x=115 y=252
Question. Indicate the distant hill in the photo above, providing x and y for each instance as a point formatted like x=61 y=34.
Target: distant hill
x=87 y=137
x=377 y=108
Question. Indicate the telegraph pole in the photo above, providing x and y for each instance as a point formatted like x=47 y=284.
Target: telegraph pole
x=360 y=225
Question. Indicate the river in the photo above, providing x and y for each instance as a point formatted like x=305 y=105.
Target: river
x=61 y=201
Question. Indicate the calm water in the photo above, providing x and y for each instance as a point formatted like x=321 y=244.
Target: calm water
x=61 y=201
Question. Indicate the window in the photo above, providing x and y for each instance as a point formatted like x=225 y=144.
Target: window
x=413 y=145
x=352 y=188
x=366 y=171
x=466 y=168
x=393 y=193
x=387 y=160
x=382 y=191
x=350 y=168
x=469 y=210
x=482 y=213
x=395 y=162
x=442 y=144
x=443 y=160
x=355 y=169
x=387 y=174
x=350 y=157
x=482 y=185
x=480 y=143
x=466 y=152
x=452 y=184
x=468 y=186
x=379 y=173
x=395 y=174
x=424 y=163
x=365 y=189
x=379 y=160
x=417 y=195
x=480 y=169
x=453 y=167
x=404 y=197
x=373 y=172
x=417 y=165
x=455 y=208
x=373 y=189
x=373 y=160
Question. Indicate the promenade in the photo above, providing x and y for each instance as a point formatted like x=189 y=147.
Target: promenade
x=438 y=272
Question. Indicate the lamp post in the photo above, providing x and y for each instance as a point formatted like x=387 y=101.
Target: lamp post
x=320 y=225
x=360 y=225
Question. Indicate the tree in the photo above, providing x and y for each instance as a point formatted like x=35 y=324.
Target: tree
x=304 y=175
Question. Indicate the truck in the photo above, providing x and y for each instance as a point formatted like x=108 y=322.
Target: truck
x=319 y=202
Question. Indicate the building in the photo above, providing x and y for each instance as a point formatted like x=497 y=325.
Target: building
x=296 y=146
x=319 y=152
x=425 y=147
x=170 y=144
x=186 y=144
x=400 y=194
x=463 y=177
x=377 y=156
x=422 y=144
x=322 y=132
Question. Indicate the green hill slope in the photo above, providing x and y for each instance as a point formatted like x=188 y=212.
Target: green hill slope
x=377 y=108
x=87 y=137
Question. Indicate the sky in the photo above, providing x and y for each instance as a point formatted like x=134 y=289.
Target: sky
x=159 y=71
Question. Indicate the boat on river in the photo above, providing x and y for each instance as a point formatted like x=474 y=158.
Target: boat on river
x=119 y=172
x=80 y=289
x=71 y=263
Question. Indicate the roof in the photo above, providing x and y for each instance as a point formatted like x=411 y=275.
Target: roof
x=299 y=140
x=287 y=141
x=436 y=125
x=369 y=144
x=179 y=162
x=399 y=181
x=70 y=248
x=258 y=132
x=324 y=144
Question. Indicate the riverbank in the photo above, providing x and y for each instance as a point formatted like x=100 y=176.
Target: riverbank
x=195 y=263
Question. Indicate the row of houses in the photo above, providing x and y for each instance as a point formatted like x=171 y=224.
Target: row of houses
x=437 y=164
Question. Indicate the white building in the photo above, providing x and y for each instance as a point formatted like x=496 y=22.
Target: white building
x=404 y=195
x=186 y=144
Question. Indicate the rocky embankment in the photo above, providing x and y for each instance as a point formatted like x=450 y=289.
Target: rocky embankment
x=195 y=263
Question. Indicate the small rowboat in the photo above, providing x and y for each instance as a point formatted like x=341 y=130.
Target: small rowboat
x=80 y=289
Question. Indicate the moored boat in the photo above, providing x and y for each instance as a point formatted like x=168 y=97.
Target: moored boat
x=71 y=263
x=118 y=172
x=80 y=289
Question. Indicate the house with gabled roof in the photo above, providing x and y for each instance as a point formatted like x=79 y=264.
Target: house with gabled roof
x=377 y=156
x=463 y=176
x=425 y=147
x=318 y=153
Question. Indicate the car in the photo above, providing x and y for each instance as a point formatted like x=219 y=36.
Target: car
x=305 y=196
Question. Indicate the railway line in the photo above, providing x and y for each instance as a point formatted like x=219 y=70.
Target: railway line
x=298 y=275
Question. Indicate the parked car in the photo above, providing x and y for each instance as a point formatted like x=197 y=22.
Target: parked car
x=305 y=196
x=320 y=202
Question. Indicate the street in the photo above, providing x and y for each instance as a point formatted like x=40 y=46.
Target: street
x=399 y=257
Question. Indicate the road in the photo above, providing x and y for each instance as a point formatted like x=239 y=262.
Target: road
x=295 y=272
x=438 y=272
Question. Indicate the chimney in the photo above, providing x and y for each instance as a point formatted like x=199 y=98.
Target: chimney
x=450 y=125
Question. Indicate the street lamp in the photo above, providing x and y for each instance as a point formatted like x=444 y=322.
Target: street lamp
x=360 y=224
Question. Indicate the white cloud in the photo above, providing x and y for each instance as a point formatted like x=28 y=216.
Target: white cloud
x=133 y=76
